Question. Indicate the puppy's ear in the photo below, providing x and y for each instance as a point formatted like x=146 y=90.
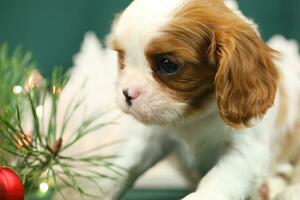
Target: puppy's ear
x=246 y=80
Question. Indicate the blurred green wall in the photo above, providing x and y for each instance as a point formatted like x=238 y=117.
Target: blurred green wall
x=274 y=16
x=53 y=29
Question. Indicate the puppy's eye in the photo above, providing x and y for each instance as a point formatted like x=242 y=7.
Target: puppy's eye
x=167 y=67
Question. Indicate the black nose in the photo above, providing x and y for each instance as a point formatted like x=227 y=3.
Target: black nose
x=127 y=97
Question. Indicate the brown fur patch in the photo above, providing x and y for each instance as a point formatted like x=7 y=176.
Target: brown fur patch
x=121 y=57
x=217 y=51
x=195 y=80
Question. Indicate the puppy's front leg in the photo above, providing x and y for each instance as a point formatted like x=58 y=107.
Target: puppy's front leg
x=138 y=155
x=237 y=174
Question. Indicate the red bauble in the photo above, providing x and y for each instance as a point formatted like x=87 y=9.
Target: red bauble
x=11 y=187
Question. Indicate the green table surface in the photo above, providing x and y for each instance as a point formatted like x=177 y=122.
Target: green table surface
x=135 y=194
x=143 y=194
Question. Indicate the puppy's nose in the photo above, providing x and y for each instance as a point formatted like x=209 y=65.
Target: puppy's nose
x=130 y=96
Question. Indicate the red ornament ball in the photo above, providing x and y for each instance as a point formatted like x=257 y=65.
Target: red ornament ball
x=11 y=186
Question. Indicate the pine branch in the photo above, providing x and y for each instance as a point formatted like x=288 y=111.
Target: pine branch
x=40 y=155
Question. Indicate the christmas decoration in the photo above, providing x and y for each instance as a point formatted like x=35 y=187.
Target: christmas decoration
x=11 y=187
x=32 y=142
x=44 y=187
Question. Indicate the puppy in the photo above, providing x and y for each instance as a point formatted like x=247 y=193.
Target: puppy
x=204 y=86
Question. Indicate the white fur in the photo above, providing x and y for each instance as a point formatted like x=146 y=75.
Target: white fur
x=141 y=21
x=288 y=63
x=236 y=160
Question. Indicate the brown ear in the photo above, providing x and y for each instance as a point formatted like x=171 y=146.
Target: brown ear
x=246 y=81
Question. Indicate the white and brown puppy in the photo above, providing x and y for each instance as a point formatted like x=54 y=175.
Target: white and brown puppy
x=197 y=73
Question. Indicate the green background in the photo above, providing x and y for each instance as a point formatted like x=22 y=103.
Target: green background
x=53 y=29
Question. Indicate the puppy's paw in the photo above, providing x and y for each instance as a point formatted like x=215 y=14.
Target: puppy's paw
x=291 y=193
x=200 y=196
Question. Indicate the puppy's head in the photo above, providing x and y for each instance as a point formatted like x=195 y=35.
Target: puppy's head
x=177 y=56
